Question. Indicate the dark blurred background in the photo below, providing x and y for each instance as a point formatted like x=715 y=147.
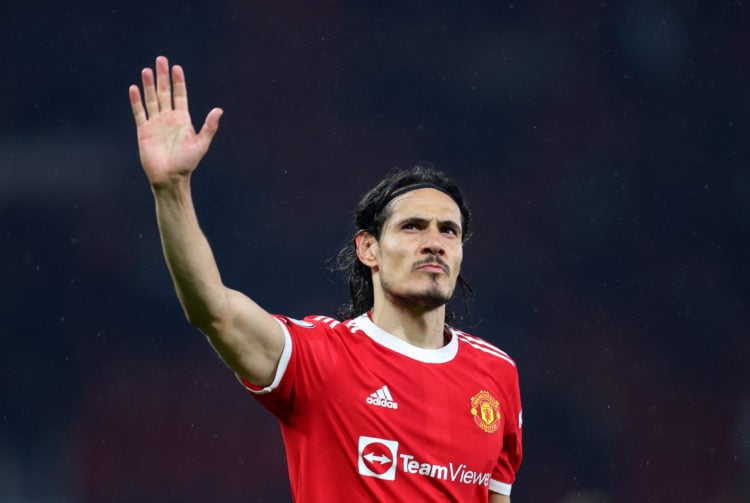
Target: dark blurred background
x=603 y=148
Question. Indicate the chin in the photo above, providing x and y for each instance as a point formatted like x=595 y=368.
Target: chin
x=430 y=296
x=426 y=299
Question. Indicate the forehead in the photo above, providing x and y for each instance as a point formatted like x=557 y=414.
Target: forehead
x=425 y=203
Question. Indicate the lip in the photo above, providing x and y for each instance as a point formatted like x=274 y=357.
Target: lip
x=433 y=268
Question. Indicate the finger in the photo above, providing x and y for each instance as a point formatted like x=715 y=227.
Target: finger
x=149 y=92
x=137 y=105
x=163 y=88
x=210 y=127
x=180 y=88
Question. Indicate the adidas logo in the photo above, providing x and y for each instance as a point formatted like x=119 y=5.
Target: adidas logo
x=382 y=398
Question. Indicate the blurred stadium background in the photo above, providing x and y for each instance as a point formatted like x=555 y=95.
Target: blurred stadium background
x=602 y=146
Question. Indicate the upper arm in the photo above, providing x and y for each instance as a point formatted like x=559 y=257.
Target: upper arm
x=248 y=339
x=499 y=498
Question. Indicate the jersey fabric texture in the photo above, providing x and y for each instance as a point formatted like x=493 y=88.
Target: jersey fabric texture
x=365 y=416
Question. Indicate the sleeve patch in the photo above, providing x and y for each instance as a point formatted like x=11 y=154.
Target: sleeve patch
x=301 y=323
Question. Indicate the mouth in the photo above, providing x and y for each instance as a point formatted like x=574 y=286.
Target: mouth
x=431 y=268
x=432 y=265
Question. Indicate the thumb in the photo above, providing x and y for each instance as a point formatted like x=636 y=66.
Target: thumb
x=211 y=125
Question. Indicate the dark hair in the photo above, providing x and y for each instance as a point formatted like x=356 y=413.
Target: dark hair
x=371 y=213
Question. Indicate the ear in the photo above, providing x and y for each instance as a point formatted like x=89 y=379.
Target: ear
x=366 y=246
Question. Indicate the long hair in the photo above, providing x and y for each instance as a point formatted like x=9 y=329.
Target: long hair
x=370 y=215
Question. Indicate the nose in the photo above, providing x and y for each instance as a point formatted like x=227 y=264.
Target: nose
x=433 y=244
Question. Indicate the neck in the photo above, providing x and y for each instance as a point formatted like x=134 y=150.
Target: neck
x=420 y=328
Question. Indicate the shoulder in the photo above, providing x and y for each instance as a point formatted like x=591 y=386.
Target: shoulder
x=481 y=348
x=310 y=325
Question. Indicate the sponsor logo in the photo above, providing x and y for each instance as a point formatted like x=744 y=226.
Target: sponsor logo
x=379 y=458
x=382 y=398
x=452 y=472
x=486 y=411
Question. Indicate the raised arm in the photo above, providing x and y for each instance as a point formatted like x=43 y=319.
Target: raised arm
x=248 y=339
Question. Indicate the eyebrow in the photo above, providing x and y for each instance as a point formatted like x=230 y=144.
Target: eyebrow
x=424 y=221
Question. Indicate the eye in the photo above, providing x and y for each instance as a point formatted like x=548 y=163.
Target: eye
x=449 y=229
x=410 y=226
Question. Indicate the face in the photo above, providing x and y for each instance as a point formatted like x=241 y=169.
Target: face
x=418 y=257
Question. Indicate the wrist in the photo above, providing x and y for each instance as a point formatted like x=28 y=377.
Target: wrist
x=177 y=184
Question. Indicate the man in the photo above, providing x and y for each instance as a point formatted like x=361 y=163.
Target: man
x=389 y=405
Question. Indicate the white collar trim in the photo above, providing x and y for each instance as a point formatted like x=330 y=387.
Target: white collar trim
x=390 y=341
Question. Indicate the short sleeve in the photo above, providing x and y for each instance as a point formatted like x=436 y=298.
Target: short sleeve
x=510 y=457
x=309 y=356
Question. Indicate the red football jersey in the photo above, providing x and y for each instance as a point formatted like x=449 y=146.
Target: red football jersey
x=366 y=416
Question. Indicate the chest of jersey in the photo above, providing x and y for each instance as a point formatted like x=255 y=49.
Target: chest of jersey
x=402 y=418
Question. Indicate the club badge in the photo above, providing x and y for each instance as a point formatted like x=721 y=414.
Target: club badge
x=486 y=411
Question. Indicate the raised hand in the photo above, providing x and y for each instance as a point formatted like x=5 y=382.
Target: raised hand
x=169 y=147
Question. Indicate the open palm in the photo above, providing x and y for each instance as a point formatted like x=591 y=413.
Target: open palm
x=169 y=147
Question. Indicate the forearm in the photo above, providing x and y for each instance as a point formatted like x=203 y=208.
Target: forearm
x=189 y=257
x=249 y=339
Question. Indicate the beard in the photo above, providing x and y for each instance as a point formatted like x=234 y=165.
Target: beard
x=430 y=297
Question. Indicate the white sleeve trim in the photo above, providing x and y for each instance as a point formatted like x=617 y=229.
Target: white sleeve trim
x=500 y=487
x=286 y=355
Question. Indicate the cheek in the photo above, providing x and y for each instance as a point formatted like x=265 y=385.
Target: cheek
x=459 y=260
x=393 y=252
x=396 y=261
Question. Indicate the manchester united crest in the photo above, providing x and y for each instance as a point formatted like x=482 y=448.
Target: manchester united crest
x=486 y=411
